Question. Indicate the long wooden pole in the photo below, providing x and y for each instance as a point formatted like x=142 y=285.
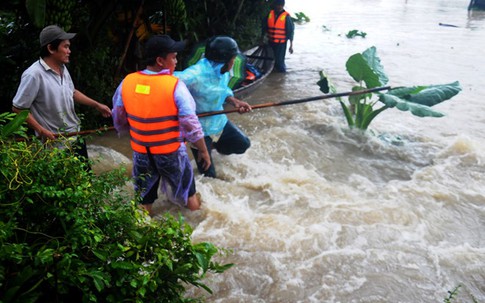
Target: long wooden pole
x=86 y=132
x=257 y=106
x=281 y=103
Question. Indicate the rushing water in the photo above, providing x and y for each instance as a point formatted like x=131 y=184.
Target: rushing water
x=315 y=213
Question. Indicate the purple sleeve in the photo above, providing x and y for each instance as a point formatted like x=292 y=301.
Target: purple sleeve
x=189 y=122
x=120 y=121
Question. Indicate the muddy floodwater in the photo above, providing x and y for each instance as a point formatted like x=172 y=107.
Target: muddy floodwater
x=315 y=213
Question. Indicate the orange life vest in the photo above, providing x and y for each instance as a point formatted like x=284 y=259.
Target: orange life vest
x=152 y=113
x=277 y=27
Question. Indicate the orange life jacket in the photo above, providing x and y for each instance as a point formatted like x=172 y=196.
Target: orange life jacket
x=277 y=27
x=152 y=113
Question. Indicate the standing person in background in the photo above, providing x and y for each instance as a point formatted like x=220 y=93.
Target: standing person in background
x=159 y=112
x=207 y=81
x=279 y=28
x=47 y=91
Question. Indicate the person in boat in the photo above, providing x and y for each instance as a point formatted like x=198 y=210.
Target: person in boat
x=47 y=91
x=159 y=112
x=207 y=81
x=279 y=29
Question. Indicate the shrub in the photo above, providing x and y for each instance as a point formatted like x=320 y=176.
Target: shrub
x=67 y=235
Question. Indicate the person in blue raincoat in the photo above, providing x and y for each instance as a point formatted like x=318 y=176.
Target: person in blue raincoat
x=207 y=81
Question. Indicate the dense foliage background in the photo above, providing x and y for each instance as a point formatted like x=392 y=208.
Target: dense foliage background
x=110 y=37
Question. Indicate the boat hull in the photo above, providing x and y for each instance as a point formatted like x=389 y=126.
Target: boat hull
x=262 y=58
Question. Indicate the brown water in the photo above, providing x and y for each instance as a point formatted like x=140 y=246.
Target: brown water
x=314 y=213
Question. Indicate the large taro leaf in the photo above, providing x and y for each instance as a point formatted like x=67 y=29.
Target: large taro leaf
x=401 y=104
x=419 y=99
x=370 y=55
x=367 y=67
x=427 y=95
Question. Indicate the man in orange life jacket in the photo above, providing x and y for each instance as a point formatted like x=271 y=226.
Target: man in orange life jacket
x=279 y=28
x=159 y=111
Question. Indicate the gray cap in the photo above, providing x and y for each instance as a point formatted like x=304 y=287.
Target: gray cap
x=53 y=32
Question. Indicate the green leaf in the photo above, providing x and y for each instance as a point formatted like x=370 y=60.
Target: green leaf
x=102 y=255
x=45 y=256
x=367 y=67
x=360 y=71
x=323 y=83
x=374 y=62
x=353 y=33
x=348 y=115
x=203 y=262
x=427 y=95
x=98 y=283
x=368 y=119
x=404 y=105
x=202 y=285
x=122 y=265
x=419 y=99
x=15 y=124
x=36 y=10
x=221 y=268
x=99 y=280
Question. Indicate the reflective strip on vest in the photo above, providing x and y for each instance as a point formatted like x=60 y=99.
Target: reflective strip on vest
x=277 y=28
x=152 y=113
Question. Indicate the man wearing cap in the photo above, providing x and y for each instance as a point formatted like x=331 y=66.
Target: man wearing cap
x=47 y=91
x=279 y=29
x=159 y=113
x=207 y=81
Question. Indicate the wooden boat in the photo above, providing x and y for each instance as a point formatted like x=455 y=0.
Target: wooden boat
x=262 y=59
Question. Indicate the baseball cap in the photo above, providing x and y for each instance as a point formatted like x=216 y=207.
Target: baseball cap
x=159 y=44
x=53 y=32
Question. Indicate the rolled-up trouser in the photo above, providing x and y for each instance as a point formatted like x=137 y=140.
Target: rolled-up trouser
x=172 y=173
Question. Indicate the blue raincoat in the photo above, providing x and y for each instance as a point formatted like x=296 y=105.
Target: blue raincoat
x=210 y=89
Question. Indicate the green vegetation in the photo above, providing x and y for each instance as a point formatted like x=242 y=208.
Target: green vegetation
x=354 y=33
x=366 y=69
x=453 y=294
x=67 y=235
x=300 y=18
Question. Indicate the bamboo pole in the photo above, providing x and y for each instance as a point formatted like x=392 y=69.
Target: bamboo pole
x=257 y=106
x=281 y=103
x=86 y=132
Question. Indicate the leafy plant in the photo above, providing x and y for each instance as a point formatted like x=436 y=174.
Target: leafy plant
x=354 y=33
x=300 y=17
x=366 y=69
x=452 y=295
x=67 y=235
x=12 y=124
